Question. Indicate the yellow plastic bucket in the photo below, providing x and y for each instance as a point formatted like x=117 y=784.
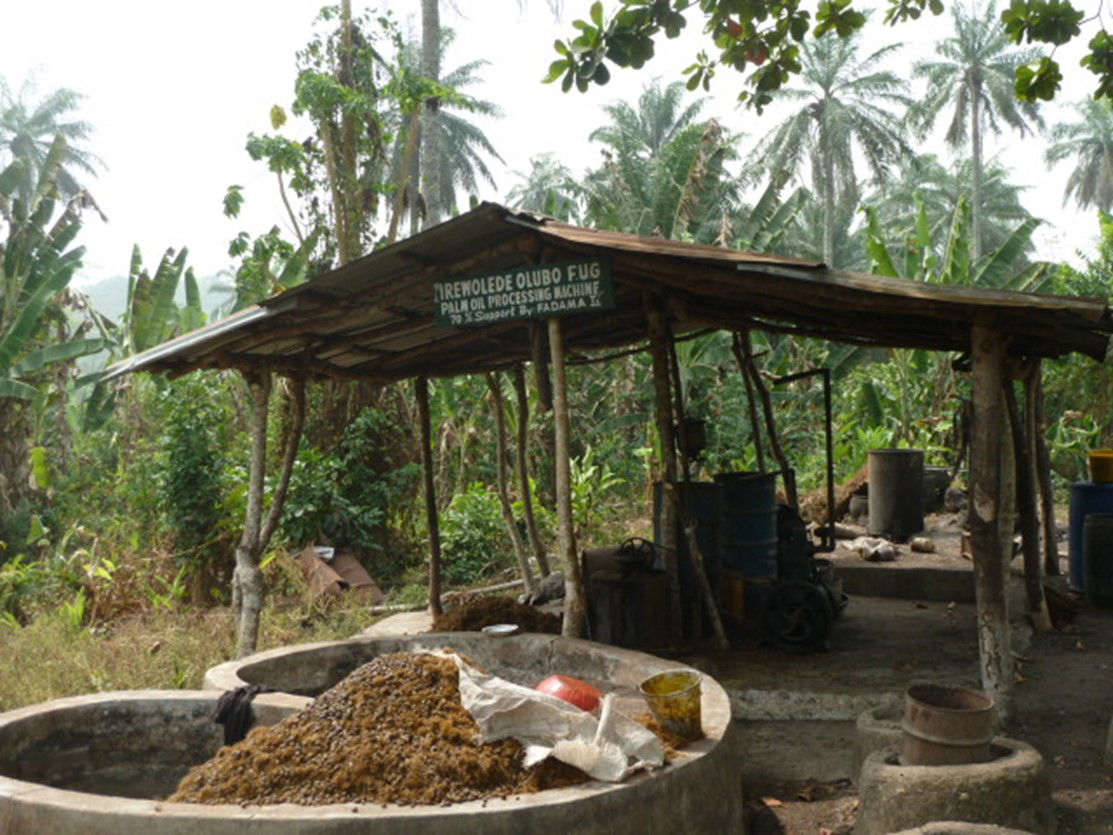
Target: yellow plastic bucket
x=1101 y=466
x=674 y=698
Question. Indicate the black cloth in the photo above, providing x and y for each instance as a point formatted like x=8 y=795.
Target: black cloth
x=233 y=711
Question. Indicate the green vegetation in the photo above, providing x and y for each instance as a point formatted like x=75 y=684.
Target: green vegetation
x=121 y=503
x=765 y=39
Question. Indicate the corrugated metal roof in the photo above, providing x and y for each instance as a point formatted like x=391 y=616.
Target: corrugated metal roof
x=373 y=318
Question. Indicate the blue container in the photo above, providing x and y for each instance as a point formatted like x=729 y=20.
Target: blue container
x=1085 y=498
x=748 y=523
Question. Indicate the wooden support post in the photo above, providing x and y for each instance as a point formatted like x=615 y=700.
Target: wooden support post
x=995 y=656
x=684 y=511
x=540 y=360
x=1026 y=509
x=291 y=441
x=1038 y=427
x=658 y=349
x=421 y=390
x=521 y=461
x=247 y=580
x=575 y=611
x=494 y=384
x=751 y=399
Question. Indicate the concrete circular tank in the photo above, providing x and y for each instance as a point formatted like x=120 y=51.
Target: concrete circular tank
x=1012 y=790
x=98 y=764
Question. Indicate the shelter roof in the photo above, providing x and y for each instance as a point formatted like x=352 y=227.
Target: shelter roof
x=374 y=318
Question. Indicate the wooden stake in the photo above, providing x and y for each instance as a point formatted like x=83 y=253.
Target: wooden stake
x=1006 y=490
x=574 y=599
x=995 y=657
x=658 y=349
x=421 y=390
x=684 y=511
x=751 y=399
x=494 y=384
x=521 y=461
x=1038 y=428
x=1026 y=508
x=750 y=367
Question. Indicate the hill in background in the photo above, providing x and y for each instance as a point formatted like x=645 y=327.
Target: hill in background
x=110 y=295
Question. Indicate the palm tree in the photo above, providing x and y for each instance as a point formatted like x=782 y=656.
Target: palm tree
x=28 y=129
x=657 y=120
x=460 y=161
x=924 y=180
x=846 y=107
x=434 y=141
x=549 y=187
x=663 y=172
x=452 y=146
x=975 y=73
x=847 y=238
x=1090 y=142
x=432 y=50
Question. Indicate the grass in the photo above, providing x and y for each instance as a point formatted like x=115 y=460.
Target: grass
x=129 y=630
x=49 y=657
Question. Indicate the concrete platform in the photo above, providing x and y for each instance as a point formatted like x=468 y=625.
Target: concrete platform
x=878 y=648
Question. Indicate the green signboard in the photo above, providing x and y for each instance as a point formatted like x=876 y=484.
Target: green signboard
x=557 y=288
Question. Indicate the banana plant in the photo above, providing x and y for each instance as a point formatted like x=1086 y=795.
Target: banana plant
x=152 y=314
x=37 y=337
x=764 y=227
x=1005 y=268
x=36 y=267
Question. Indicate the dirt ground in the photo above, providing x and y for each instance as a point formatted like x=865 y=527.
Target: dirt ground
x=798 y=774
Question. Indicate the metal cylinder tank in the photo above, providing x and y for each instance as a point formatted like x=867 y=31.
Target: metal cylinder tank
x=896 y=496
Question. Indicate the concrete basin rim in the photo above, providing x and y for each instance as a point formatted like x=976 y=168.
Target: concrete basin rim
x=1016 y=752
x=139 y=808
x=696 y=754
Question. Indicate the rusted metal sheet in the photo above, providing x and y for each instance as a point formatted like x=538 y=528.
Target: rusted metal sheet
x=373 y=319
x=341 y=572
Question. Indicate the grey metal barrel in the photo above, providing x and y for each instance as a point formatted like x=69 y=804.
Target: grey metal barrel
x=896 y=492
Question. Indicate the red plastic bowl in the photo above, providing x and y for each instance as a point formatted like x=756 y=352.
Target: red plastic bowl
x=572 y=690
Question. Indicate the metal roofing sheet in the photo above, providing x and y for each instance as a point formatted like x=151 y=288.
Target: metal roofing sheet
x=374 y=316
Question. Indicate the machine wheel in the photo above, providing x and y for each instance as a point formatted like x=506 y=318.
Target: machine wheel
x=797 y=616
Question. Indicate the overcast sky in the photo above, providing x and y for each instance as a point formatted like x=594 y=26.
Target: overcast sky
x=173 y=89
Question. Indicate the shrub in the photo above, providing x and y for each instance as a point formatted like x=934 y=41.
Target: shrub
x=473 y=535
x=190 y=466
x=349 y=495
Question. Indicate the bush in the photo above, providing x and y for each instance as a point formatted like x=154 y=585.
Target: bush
x=190 y=467
x=349 y=495
x=473 y=535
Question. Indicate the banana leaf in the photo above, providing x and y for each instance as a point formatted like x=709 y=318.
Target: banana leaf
x=16 y=390
x=12 y=343
x=994 y=271
x=60 y=352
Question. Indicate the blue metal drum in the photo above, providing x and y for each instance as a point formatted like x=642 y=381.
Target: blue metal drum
x=1085 y=498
